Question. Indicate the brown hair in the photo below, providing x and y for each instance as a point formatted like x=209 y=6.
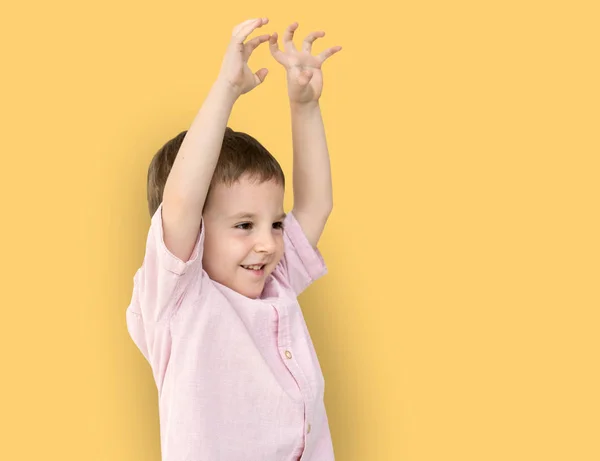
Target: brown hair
x=240 y=153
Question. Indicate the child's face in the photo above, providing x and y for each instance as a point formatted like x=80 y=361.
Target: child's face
x=232 y=240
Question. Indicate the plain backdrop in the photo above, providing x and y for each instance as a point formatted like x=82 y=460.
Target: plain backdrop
x=459 y=319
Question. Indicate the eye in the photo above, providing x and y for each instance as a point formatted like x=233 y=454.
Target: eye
x=244 y=226
x=278 y=225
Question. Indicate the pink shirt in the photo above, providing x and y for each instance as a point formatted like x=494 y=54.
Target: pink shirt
x=238 y=379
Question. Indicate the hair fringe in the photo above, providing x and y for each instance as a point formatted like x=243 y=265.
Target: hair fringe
x=240 y=154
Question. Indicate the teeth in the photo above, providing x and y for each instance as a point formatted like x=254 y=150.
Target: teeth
x=253 y=267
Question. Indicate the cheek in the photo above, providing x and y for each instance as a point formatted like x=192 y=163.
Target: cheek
x=220 y=248
x=280 y=246
x=237 y=247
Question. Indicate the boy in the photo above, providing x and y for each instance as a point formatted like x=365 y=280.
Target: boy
x=214 y=308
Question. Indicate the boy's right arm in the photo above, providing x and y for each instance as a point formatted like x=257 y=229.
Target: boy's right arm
x=189 y=179
x=187 y=185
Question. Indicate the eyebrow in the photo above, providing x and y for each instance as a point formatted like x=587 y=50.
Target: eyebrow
x=248 y=215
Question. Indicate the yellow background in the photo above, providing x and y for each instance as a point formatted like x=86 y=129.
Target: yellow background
x=460 y=316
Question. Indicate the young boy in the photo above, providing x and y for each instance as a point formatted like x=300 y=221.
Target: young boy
x=214 y=307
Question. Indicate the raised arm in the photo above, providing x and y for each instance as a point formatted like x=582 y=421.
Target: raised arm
x=313 y=191
x=313 y=196
x=188 y=182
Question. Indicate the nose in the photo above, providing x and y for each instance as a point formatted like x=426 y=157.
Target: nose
x=265 y=242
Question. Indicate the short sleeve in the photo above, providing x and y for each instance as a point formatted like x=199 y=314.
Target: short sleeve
x=159 y=286
x=163 y=277
x=301 y=264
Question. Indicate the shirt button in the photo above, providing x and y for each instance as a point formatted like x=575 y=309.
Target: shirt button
x=308 y=429
x=288 y=354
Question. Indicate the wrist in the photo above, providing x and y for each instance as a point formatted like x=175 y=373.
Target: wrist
x=225 y=90
x=304 y=106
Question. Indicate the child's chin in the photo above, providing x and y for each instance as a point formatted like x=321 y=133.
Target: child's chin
x=255 y=292
x=248 y=294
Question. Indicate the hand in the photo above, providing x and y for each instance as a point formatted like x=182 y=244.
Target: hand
x=234 y=70
x=304 y=76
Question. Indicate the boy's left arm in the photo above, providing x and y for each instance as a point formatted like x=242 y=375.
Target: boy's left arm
x=313 y=197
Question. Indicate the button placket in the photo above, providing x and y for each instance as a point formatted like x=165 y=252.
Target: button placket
x=287 y=352
x=285 y=342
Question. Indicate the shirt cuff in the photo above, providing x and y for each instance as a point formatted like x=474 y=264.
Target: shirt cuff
x=311 y=257
x=168 y=260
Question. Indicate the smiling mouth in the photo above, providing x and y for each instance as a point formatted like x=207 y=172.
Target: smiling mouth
x=254 y=268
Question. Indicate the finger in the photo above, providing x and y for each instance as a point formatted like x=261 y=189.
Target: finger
x=247 y=29
x=328 y=53
x=275 y=51
x=308 y=41
x=288 y=36
x=237 y=28
x=252 y=44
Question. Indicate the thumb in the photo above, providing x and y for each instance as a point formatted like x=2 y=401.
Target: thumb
x=305 y=77
x=260 y=75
